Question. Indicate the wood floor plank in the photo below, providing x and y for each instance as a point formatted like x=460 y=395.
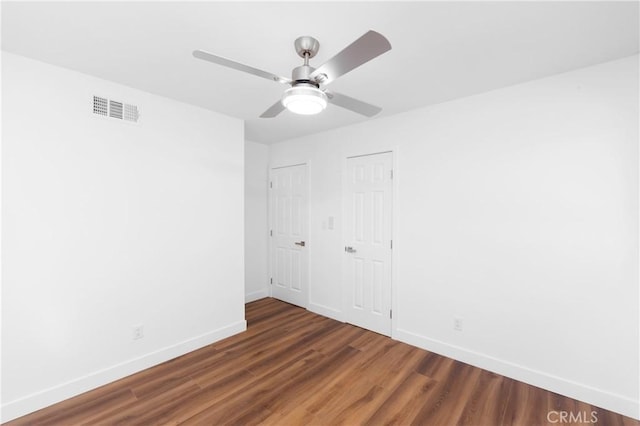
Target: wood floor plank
x=444 y=405
x=404 y=403
x=357 y=406
x=339 y=397
x=254 y=395
x=153 y=410
x=579 y=413
x=85 y=408
x=527 y=405
x=340 y=339
x=369 y=341
x=434 y=366
x=211 y=396
x=298 y=415
x=388 y=369
x=487 y=402
x=292 y=367
x=309 y=382
x=341 y=381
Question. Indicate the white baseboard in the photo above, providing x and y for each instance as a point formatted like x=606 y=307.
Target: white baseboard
x=326 y=311
x=256 y=295
x=601 y=398
x=46 y=397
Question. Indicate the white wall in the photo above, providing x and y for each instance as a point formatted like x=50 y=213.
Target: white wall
x=515 y=209
x=107 y=225
x=256 y=228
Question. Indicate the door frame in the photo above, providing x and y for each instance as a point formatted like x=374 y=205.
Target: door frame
x=270 y=222
x=346 y=155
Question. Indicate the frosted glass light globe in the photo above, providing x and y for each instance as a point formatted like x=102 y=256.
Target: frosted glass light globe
x=304 y=100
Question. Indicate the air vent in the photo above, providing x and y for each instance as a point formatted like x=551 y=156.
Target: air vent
x=130 y=113
x=99 y=106
x=115 y=109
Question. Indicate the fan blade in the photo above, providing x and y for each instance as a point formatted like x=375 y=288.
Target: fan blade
x=364 y=49
x=273 y=110
x=201 y=54
x=352 y=104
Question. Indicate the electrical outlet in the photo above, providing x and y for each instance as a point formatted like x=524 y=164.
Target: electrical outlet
x=457 y=323
x=138 y=332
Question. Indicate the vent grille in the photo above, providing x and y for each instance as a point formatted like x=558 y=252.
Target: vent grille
x=130 y=113
x=99 y=106
x=115 y=109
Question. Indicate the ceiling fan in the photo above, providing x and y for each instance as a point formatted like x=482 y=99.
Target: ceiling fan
x=305 y=95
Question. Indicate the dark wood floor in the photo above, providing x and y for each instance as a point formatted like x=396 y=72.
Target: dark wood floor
x=292 y=367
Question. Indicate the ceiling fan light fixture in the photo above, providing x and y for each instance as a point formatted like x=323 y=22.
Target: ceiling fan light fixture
x=305 y=100
x=304 y=95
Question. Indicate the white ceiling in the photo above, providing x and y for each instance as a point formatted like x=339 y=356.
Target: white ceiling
x=441 y=50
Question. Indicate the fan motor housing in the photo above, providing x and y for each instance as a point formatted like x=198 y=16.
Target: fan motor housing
x=302 y=74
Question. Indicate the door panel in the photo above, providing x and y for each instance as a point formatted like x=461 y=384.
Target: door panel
x=289 y=226
x=368 y=206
